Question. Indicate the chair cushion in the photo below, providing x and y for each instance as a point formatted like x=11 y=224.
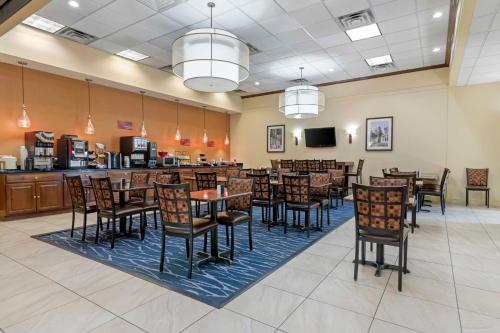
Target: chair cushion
x=232 y=217
x=146 y=205
x=321 y=200
x=384 y=238
x=303 y=206
x=274 y=201
x=128 y=210
x=200 y=226
x=478 y=188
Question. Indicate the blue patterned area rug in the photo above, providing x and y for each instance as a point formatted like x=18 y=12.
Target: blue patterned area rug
x=214 y=284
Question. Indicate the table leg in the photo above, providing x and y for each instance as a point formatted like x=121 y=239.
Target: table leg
x=123 y=220
x=379 y=262
x=213 y=256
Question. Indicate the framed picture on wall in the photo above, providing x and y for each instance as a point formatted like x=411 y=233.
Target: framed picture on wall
x=379 y=134
x=276 y=139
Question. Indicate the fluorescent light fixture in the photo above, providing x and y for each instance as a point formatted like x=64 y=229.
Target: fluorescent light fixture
x=364 y=32
x=42 y=23
x=436 y=49
x=377 y=61
x=257 y=83
x=437 y=15
x=132 y=55
x=73 y=3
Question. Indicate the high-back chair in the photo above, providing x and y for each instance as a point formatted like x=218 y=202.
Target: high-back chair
x=328 y=164
x=411 y=203
x=300 y=165
x=259 y=171
x=244 y=173
x=358 y=174
x=238 y=209
x=313 y=165
x=164 y=178
x=286 y=164
x=137 y=179
x=177 y=219
x=298 y=198
x=379 y=213
x=232 y=172
x=79 y=202
x=275 y=164
x=337 y=186
x=320 y=193
x=107 y=208
x=477 y=180
x=438 y=192
x=340 y=166
x=204 y=181
x=263 y=197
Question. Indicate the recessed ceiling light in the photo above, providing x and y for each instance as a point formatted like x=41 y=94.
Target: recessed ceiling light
x=330 y=69
x=257 y=83
x=437 y=15
x=364 y=32
x=73 y=3
x=132 y=55
x=42 y=23
x=436 y=49
x=377 y=61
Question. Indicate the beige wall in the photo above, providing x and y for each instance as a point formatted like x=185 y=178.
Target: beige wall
x=434 y=126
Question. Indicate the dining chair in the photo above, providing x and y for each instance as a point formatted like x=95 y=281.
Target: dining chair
x=477 y=180
x=358 y=174
x=412 y=201
x=321 y=194
x=263 y=197
x=232 y=172
x=239 y=209
x=261 y=171
x=79 y=202
x=244 y=173
x=379 y=213
x=137 y=179
x=439 y=191
x=139 y=197
x=300 y=165
x=275 y=164
x=313 y=165
x=205 y=181
x=286 y=164
x=298 y=199
x=337 y=186
x=328 y=164
x=177 y=219
x=107 y=208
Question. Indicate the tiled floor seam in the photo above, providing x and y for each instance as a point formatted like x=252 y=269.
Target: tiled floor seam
x=453 y=275
x=380 y=301
x=197 y=320
x=140 y=328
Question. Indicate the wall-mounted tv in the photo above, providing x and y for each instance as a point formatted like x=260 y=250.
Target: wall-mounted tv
x=320 y=137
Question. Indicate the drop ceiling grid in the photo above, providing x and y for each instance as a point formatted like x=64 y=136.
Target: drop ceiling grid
x=290 y=33
x=481 y=59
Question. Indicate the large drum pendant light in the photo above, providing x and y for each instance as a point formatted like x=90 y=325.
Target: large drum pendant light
x=302 y=101
x=210 y=60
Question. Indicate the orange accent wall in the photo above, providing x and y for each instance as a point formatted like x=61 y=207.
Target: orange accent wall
x=59 y=104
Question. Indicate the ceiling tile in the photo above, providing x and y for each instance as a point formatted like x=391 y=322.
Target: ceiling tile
x=472 y=52
x=341 y=7
x=406 y=55
x=348 y=59
x=489 y=50
x=394 y=9
x=280 y=23
x=311 y=14
x=490 y=60
x=165 y=41
x=333 y=40
x=323 y=29
x=495 y=25
x=319 y=55
x=341 y=50
x=480 y=24
x=59 y=11
x=398 y=24
x=433 y=29
x=260 y=10
x=372 y=53
x=425 y=17
x=402 y=36
x=307 y=46
x=234 y=19
x=339 y=75
x=405 y=46
x=251 y=33
x=293 y=37
x=427 y=4
x=107 y=46
x=153 y=50
x=185 y=14
x=493 y=37
x=476 y=39
x=379 y=2
x=433 y=41
x=260 y=58
x=484 y=7
x=325 y=66
x=369 y=43
x=279 y=53
x=220 y=6
x=156 y=62
x=292 y=5
x=267 y=43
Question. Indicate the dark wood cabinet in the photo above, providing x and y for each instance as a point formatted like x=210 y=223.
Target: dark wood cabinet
x=21 y=198
x=49 y=195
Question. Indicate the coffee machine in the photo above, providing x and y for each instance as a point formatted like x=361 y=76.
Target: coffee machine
x=40 y=146
x=136 y=148
x=72 y=153
x=151 y=156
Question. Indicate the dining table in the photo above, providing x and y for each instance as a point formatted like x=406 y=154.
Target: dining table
x=122 y=186
x=212 y=198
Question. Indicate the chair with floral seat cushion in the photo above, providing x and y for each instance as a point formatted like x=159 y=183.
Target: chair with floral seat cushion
x=379 y=218
x=239 y=209
x=177 y=219
x=298 y=199
x=263 y=197
x=107 y=208
x=328 y=164
x=412 y=203
x=477 y=180
x=79 y=202
x=321 y=194
x=286 y=164
x=313 y=165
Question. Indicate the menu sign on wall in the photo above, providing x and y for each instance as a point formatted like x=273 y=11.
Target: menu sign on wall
x=124 y=125
x=185 y=142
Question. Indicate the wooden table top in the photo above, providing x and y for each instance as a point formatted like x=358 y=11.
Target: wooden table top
x=276 y=183
x=118 y=187
x=213 y=195
x=220 y=179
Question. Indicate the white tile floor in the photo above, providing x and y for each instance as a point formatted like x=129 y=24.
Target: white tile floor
x=454 y=286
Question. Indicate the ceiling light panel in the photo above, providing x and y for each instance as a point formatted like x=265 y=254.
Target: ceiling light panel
x=132 y=55
x=377 y=61
x=368 y=31
x=42 y=23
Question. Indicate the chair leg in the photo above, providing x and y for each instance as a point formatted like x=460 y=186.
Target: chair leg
x=84 y=231
x=113 y=233
x=99 y=220
x=187 y=248
x=285 y=219
x=321 y=217
x=317 y=217
x=269 y=225
x=262 y=213
x=413 y=219
x=102 y=228
x=162 y=255
x=356 y=259
x=442 y=204
x=232 y=242
x=130 y=224
x=250 y=242
x=107 y=226
x=307 y=221
x=328 y=215
x=227 y=235
x=400 y=270
x=205 y=241
x=466 y=198
x=488 y=198
x=405 y=256
x=363 y=252
x=72 y=223
x=143 y=225
x=191 y=245
x=371 y=246
x=155 y=219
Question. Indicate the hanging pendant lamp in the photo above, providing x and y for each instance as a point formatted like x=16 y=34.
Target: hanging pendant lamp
x=205 y=136
x=302 y=101
x=177 y=132
x=226 y=140
x=144 y=133
x=23 y=121
x=210 y=60
x=89 y=129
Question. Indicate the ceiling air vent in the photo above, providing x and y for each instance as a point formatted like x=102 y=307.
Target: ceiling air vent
x=357 y=19
x=76 y=36
x=383 y=67
x=167 y=69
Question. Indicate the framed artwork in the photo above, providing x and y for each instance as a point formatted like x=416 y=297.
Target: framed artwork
x=379 y=134
x=276 y=139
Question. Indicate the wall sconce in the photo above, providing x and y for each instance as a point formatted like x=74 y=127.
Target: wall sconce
x=297 y=133
x=351 y=131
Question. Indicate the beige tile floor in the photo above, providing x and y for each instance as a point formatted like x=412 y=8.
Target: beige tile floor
x=454 y=286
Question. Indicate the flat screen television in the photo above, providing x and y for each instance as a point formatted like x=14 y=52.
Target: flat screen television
x=320 y=137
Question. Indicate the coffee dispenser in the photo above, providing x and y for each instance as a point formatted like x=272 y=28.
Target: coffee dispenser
x=136 y=148
x=40 y=146
x=72 y=153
